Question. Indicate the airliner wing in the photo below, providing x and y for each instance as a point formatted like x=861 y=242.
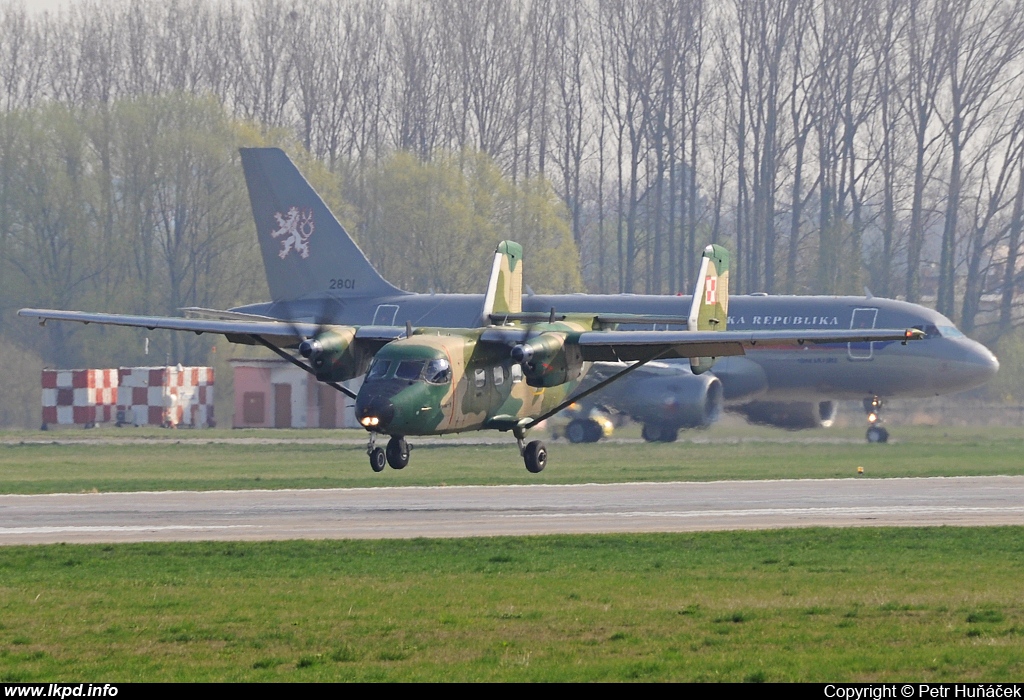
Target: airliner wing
x=612 y=346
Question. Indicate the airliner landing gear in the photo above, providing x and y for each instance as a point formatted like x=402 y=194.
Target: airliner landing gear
x=398 y=452
x=583 y=430
x=656 y=432
x=876 y=433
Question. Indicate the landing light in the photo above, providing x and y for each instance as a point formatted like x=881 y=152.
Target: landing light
x=370 y=421
x=872 y=417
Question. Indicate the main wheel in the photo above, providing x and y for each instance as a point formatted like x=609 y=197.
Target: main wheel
x=576 y=431
x=536 y=456
x=655 y=432
x=398 y=452
x=594 y=431
x=669 y=433
x=876 y=433
x=377 y=459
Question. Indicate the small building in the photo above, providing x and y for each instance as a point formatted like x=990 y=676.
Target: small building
x=166 y=396
x=273 y=393
x=79 y=396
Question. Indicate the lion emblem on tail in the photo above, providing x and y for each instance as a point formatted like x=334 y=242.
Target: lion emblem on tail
x=297 y=227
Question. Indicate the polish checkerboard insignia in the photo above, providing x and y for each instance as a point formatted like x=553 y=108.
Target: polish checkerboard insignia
x=710 y=290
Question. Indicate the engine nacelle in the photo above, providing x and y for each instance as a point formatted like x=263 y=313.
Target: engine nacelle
x=547 y=360
x=791 y=415
x=333 y=355
x=668 y=399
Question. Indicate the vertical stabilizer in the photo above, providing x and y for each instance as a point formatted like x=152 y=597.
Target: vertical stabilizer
x=505 y=286
x=306 y=251
x=709 y=310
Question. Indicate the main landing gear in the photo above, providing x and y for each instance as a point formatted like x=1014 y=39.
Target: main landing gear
x=876 y=433
x=396 y=454
x=535 y=455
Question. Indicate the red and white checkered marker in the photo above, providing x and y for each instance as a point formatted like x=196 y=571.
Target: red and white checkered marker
x=79 y=396
x=167 y=396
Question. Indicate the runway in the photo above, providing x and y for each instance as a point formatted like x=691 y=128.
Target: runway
x=474 y=511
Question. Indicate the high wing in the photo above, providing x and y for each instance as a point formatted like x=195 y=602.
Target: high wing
x=629 y=346
x=280 y=333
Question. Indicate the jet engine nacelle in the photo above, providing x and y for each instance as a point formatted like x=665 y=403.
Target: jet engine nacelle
x=333 y=356
x=791 y=415
x=548 y=360
x=684 y=401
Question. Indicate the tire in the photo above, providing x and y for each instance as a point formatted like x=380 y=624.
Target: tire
x=594 y=431
x=653 y=432
x=669 y=434
x=576 y=432
x=536 y=457
x=877 y=434
x=378 y=460
x=397 y=453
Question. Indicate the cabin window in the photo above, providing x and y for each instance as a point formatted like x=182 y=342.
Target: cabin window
x=379 y=369
x=479 y=378
x=499 y=375
x=438 y=372
x=409 y=369
x=517 y=374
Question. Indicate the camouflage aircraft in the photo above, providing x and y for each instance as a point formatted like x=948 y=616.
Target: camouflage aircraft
x=509 y=374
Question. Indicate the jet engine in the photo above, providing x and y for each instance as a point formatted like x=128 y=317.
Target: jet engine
x=791 y=415
x=548 y=360
x=664 y=398
x=333 y=356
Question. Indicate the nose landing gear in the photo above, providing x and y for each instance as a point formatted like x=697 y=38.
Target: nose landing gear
x=396 y=454
x=876 y=433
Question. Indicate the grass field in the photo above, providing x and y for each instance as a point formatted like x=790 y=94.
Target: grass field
x=193 y=460
x=851 y=605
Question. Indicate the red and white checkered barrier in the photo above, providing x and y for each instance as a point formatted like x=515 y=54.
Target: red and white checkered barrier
x=79 y=396
x=167 y=396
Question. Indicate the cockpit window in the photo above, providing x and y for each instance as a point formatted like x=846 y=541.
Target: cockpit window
x=409 y=369
x=438 y=372
x=379 y=369
x=933 y=331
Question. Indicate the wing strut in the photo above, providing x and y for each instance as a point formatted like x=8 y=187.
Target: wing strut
x=301 y=365
x=591 y=390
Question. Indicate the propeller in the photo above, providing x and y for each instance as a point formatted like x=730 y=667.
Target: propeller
x=310 y=348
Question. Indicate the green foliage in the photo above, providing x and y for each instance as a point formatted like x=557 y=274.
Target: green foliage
x=1010 y=385
x=137 y=207
x=19 y=386
x=186 y=459
x=432 y=225
x=565 y=608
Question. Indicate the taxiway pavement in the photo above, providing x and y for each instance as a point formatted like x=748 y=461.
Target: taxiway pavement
x=470 y=511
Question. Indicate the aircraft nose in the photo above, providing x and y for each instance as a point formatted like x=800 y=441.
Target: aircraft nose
x=977 y=366
x=374 y=412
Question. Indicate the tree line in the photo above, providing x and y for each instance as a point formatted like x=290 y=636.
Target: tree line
x=832 y=145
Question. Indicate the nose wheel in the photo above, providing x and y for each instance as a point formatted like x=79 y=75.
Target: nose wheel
x=396 y=454
x=876 y=433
